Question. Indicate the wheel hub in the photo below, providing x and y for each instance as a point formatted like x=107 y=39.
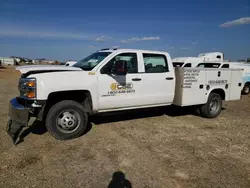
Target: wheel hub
x=214 y=105
x=247 y=89
x=68 y=121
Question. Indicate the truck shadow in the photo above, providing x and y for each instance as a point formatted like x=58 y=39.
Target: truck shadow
x=172 y=111
x=39 y=128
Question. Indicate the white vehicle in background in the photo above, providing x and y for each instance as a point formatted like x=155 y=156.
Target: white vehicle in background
x=194 y=61
x=7 y=61
x=237 y=65
x=70 y=63
x=112 y=80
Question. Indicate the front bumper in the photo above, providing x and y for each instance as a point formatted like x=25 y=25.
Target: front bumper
x=19 y=118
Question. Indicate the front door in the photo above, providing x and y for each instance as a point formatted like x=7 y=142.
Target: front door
x=119 y=91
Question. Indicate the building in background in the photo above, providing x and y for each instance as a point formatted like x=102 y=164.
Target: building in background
x=44 y=61
x=8 y=61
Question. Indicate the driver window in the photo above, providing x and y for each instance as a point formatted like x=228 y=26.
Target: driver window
x=130 y=58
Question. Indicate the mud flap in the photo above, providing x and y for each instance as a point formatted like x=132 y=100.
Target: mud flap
x=14 y=130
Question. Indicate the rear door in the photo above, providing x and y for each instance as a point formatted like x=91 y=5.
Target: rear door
x=158 y=79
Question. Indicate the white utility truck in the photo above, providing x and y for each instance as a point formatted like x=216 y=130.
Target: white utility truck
x=113 y=80
x=194 y=61
x=238 y=65
x=70 y=63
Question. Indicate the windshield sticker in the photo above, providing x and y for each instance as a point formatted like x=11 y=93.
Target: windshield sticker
x=120 y=88
x=92 y=60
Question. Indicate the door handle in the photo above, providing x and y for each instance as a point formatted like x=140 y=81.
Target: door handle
x=136 y=79
x=169 y=78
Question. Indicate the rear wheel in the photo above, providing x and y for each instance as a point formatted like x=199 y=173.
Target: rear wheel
x=66 y=120
x=246 y=89
x=213 y=106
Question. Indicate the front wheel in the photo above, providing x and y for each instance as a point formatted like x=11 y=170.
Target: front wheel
x=66 y=120
x=213 y=106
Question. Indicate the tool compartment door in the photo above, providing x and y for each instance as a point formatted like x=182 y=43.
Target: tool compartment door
x=237 y=83
x=190 y=86
x=219 y=79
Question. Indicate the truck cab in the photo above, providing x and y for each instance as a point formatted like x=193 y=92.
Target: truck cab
x=137 y=88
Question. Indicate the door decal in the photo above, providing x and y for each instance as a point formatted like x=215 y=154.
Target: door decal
x=120 y=88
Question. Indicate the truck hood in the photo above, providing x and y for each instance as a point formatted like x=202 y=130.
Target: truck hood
x=25 y=69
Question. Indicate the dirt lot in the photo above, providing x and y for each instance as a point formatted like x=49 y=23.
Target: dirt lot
x=153 y=148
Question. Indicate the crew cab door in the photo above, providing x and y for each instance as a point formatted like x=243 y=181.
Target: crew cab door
x=150 y=81
x=120 y=91
x=158 y=78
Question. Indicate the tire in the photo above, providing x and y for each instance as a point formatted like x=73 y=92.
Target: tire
x=246 y=89
x=66 y=120
x=213 y=106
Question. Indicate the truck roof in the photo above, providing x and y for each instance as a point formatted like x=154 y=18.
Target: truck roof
x=133 y=50
x=210 y=54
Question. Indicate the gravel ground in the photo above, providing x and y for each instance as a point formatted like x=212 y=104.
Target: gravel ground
x=156 y=148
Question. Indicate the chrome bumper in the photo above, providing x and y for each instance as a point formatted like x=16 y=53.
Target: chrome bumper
x=19 y=117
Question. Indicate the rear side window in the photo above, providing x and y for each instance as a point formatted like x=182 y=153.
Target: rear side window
x=187 y=65
x=209 y=65
x=225 y=66
x=155 y=63
x=177 y=64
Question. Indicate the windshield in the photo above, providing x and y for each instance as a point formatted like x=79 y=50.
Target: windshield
x=177 y=64
x=88 y=63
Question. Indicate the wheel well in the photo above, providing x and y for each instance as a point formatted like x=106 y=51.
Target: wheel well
x=81 y=96
x=220 y=92
x=247 y=83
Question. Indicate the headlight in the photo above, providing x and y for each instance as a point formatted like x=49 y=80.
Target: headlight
x=27 y=88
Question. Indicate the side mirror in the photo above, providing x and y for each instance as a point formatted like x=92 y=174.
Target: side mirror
x=120 y=67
